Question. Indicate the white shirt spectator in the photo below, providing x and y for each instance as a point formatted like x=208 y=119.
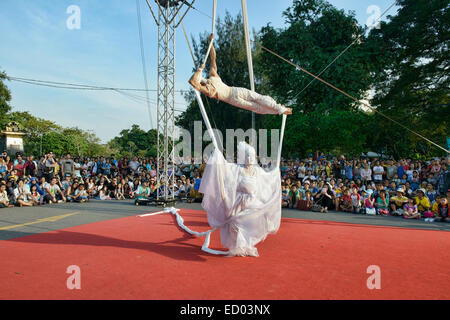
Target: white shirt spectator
x=77 y=167
x=301 y=172
x=378 y=173
x=311 y=178
x=134 y=165
x=366 y=174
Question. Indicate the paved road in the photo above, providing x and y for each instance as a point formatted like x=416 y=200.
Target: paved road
x=18 y=222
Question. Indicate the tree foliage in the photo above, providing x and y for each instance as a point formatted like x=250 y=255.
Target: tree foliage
x=323 y=118
x=411 y=84
x=402 y=68
x=5 y=98
x=135 y=141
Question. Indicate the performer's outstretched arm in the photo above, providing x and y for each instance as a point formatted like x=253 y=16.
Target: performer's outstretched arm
x=213 y=71
x=195 y=79
x=199 y=85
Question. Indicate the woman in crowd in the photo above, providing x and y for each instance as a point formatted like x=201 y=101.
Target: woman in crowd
x=382 y=203
x=103 y=193
x=90 y=188
x=119 y=192
x=70 y=192
x=325 y=198
x=35 y=195
x=366 y=174
x=356 y=201
x=369 y=202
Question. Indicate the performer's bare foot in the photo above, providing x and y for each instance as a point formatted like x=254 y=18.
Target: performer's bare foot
x=288 y=111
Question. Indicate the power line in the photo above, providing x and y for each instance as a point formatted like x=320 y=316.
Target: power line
x=124 y=92
x=73 y=86
x=142 y=99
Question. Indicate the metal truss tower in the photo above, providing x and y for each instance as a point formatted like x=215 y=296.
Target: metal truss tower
x=169 y=18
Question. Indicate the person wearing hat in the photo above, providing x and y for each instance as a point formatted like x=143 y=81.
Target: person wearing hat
x=422 y=201
x=180 y=189
x=398 y=201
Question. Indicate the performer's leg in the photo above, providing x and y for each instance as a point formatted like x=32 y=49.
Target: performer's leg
x=267 y=104
x=258 y=103
x=240 y=99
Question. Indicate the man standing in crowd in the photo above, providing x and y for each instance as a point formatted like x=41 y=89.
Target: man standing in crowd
x=134 y=166
x=49 y=166
x=378 y=172
x=443 y=179
x=67 y=167
x=30 y=167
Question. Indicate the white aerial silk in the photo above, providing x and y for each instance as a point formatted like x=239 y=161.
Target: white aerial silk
x=245 y=208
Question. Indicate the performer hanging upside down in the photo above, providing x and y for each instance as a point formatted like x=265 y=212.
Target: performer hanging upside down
x=238 y=97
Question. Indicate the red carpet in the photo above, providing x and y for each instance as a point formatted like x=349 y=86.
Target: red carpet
x=149 y=258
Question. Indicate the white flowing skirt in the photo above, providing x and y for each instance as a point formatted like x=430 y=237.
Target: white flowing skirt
x=244 y=219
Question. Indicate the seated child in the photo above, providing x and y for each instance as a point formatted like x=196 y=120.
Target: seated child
x=410 y=210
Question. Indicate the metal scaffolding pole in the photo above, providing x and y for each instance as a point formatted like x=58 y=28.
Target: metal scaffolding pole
x=168 y=12
x=166 y=103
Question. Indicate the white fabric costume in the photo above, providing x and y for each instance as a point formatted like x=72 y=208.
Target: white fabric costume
x=245 y=207
x=242 y=200
x=244 y=98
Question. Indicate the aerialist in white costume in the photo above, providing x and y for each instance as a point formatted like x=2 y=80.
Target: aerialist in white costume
x=238 y=97
x=243 y=200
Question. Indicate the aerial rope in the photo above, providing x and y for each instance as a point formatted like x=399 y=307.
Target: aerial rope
x=353 y=98
x=249 y=54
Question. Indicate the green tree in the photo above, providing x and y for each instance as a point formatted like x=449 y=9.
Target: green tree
x=135 y=141
x=34 y=129
x=49 y=136
x=411 y=85
x=323 y=119
x=5 y=98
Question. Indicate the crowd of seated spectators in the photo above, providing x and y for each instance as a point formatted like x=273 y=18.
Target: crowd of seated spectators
x=409 y=188
x=26 y=181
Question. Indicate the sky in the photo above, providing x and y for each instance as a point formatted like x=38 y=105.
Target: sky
x=36 y=43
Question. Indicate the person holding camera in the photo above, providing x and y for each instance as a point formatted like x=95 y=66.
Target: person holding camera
x=49 y=165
